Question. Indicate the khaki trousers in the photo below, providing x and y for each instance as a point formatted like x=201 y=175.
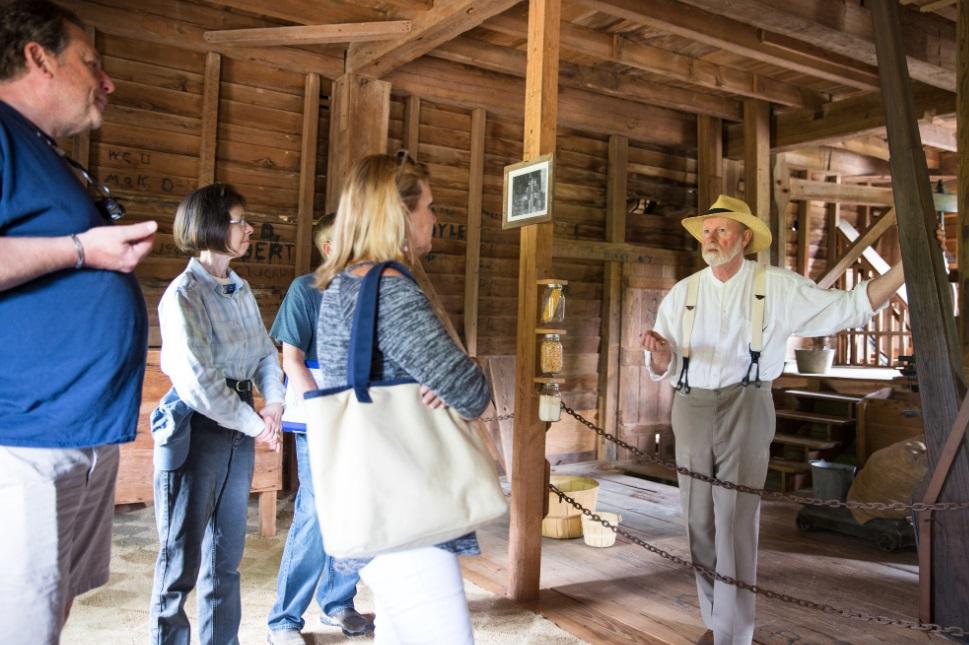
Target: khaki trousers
x=725 y=433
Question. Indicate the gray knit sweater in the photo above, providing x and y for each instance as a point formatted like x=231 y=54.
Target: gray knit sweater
x=411 y=342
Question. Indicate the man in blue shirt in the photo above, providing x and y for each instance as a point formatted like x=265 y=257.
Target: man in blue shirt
x=73 y=327
x=306 y=568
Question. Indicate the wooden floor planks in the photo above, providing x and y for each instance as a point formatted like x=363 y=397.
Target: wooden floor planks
x=625 y=594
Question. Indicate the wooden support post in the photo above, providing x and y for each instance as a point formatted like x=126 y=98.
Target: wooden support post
x=780 y=197
x=962 y=132
x=411 y=139
x=757 y=173
x=803 y=238
x=210 y=118
x=307 y=173
x=832 y=213
x=528 y=492
x=610 y=346
x=933 y=329
x=472 y=256
x=709 y=161
x=359 y=117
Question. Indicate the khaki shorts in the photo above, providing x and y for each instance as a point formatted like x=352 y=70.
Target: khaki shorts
x=56 y=506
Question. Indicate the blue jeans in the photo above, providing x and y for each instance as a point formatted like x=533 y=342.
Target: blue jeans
x=305 y=563
x=200 y=510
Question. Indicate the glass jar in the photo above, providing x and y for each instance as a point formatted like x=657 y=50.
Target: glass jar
x=553 y=304
x=550 y=402
x=550 y=354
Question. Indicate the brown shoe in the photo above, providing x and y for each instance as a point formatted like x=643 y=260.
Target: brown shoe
x=706 y=639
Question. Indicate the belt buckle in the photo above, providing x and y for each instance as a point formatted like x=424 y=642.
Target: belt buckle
x=242 y=386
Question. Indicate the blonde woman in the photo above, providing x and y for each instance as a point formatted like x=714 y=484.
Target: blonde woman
x=385 y=214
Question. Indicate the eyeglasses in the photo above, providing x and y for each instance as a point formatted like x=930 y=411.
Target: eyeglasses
x=110 y=208
x=241 y=221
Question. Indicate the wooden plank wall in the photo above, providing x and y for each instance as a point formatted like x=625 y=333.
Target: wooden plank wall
x=182 y=114
x=152 y=151
x=444 y=144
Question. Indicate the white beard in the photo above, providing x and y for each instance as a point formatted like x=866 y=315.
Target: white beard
x=718 y=258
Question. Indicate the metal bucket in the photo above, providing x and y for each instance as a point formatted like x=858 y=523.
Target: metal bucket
x=831 y=480
x=814 y=361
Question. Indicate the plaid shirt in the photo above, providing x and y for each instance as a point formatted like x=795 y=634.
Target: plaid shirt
x=213 y=331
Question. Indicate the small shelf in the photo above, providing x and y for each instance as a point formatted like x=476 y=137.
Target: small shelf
x=549 y=330
x=551 y=281
x=549 y=379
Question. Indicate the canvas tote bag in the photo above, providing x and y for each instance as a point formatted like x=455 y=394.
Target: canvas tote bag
x=390 y=473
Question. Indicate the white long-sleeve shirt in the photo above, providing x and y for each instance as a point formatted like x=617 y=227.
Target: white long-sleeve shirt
x=720 y=347
x=212 y=331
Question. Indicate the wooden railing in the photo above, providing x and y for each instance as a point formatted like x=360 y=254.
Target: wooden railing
x=887 y=335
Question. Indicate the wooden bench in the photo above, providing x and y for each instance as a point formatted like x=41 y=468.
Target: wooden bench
x=135 y=470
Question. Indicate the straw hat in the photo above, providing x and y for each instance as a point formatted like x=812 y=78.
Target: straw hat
x=737 y=210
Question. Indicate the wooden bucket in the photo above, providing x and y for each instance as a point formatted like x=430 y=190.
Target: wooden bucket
x=595 y=534
x=563 y=520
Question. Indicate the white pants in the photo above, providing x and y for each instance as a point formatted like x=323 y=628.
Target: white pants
x=418 y=598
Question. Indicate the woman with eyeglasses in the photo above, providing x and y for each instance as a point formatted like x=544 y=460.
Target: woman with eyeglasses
x=215 y=349
x=385 y=214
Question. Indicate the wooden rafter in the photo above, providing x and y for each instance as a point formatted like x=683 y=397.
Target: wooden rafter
x=307 y=13
x=845 y=28
x=740 y=38
x=825 y=191
x=469 y=51
x=446 y=20
x=158 y=30
x=663 y=62
x=458 y=85
x=344 y=32
x=847 y=118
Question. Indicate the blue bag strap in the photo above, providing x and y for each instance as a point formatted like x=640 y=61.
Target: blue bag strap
x=363 y=333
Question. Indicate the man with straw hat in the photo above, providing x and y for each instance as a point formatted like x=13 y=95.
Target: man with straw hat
x=721 y=337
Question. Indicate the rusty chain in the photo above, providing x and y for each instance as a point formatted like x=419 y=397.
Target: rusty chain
x=760 y=492
x=500 y=417
x=757 y=589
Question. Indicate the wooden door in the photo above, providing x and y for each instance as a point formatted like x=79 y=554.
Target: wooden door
x=644 y=405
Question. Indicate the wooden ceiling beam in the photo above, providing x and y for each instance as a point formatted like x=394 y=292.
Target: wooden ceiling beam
x=840 y=119
x=504 y=95
x=832 y=193
x=345 y=32
x=307 y=13
x=166 y=31
x=445 y=21
x=846 y=28
x=477 y=53
x=663 y=62
x=740 y=38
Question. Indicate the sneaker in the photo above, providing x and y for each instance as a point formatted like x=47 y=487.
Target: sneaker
x=284 y=637
x=352 y=622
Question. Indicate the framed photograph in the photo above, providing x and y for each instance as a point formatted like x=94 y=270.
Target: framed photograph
x=527 y=193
